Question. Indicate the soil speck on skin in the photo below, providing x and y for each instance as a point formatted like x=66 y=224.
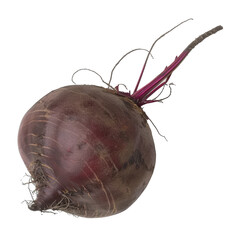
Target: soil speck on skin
x=80 y=145
x=136 y=159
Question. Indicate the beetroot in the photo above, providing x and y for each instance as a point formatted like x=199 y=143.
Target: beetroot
x=90 y=150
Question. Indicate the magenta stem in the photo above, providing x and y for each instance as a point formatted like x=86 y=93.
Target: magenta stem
x=146 y=91
x=140 y=77
x=145 y=63
x=141 y=96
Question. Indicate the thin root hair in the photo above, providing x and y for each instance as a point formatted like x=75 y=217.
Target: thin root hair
x=137 y=49
x=157 y=129
x=170 y=93
x=121 y=84
x=87 y=69
x=160 y=92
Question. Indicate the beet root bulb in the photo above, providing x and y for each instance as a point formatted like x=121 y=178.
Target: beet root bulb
x=89 y=151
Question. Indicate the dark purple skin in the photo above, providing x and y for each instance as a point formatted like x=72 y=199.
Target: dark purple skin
x=89 y=150
x=93 y=145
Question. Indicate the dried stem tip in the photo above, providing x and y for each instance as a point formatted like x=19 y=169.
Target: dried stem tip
x=202 y=37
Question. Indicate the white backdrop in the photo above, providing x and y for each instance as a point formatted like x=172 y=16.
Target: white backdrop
x=195 y=190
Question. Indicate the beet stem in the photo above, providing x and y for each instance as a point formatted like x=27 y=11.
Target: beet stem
x=141 y=96
x=145 y=63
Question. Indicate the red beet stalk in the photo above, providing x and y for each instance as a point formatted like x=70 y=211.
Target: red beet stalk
x=141 y=96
